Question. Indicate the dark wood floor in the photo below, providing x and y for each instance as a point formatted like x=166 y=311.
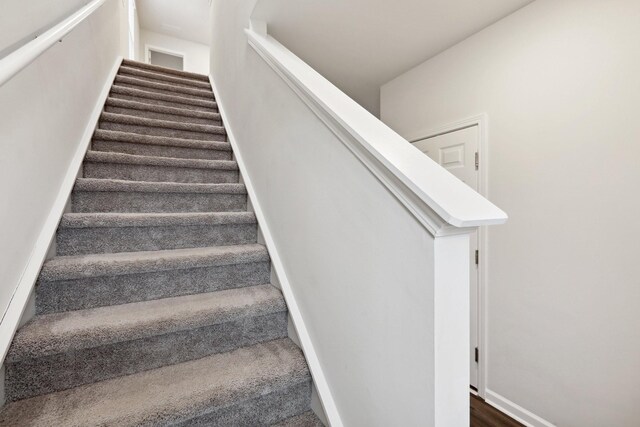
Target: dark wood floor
x=485 y=415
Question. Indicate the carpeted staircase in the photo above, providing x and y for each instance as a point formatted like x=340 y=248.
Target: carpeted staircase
x=157 y=309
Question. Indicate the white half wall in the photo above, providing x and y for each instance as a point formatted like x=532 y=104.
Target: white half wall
x=360 y=266
x=196 y=55
x=559 y=82
x=44 y=111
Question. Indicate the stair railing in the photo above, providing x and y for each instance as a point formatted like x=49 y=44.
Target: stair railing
x=17 y=60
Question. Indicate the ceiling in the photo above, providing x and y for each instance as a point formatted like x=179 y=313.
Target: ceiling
x=361 y=44
x=184 y=19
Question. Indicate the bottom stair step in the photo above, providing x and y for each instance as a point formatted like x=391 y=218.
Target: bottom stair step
x=60 y=351
x=259 y=385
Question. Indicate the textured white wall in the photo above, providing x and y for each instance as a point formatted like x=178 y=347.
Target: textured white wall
x=44 y=111
x=559 y=81
x=196 y=55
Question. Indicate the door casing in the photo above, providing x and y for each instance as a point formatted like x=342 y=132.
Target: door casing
x=482 y=122
x=148 y=48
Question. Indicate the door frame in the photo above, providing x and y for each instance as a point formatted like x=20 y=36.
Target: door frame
x=149 y=47
x=482 y=122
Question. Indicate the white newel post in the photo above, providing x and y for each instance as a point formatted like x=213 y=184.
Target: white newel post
x=451 y=334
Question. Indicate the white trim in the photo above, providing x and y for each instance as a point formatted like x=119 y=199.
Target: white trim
x=442 y=203
x=515 y=411
x=149 y=47
x=482 y=122
x=11 y=64
x=319 y=379
x=132 y=10
x=20 y=297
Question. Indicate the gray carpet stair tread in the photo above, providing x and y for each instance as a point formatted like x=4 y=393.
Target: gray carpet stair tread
x=131 y=159
x=164 y=70
x=96 y=265
x=165 y=124
x=106 y=219
x=143 y=106
x=157 y=309
x=116 y=185
x=308 y=419
x=117 y=136
x=141 y=94
x=163 y=86
x=73 y=330
x=138 y=72
x=170 y=394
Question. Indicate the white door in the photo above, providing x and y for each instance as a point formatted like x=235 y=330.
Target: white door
x=456 y=151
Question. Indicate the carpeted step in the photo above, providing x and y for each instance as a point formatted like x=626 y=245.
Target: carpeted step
x=93 y=233
x=162 y=77
x=98 y=164
x=308 y=419
x=164 y=70
x=161 y=112
x=78 y=282
x=110 y=195
x=138 y=336
x=159 y=146
x=257 y=385
x=163 y=88
x=148 y=97
x=170 y=129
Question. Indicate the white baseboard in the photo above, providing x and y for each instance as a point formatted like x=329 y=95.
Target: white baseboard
x=20 y=297
x=319 y=379
x=515 y=411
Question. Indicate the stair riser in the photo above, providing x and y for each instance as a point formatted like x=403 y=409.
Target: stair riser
x=160 y=150
x=94 y=201
x=176 y=92
x=162 y=116
x=81 y=241
x=151 y=173
x=159 y=78
x=90 y=292
x=157 y=131
x=185 y=105
x=33 y=377
x=269 y=408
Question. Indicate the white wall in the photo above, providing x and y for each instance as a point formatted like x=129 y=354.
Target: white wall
x=559 y=81
x=44 y=111
x=360 y=44
x=20 y=19
x=196 y=55
x=361 y=266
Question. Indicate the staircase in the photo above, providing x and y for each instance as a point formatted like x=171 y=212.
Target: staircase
x=157 y=309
